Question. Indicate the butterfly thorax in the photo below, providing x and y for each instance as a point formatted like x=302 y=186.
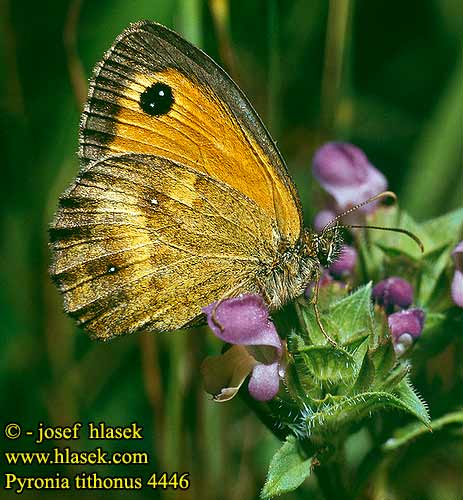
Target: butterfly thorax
x=300 y=264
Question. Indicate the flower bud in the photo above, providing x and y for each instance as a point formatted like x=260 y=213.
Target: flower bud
x=405 y=327
x=344 y=171
x=345 y=263
x=393 y=291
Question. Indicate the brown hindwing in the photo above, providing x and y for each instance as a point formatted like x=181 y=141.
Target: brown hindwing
x=142 y=242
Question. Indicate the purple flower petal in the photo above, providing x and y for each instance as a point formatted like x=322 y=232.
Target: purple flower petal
x=340 y=164
x=265 y=382
x=322 y=219
x=393 y=291
x=243 y=320
x=410 y=321
x=457 y=288
x=345 y=263
x=344 y=171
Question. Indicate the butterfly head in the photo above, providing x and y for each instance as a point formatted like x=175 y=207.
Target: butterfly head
x=327 y=245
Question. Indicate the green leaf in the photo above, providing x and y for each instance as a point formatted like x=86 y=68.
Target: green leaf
x=411 y=431
x=411 y=401
x=371 y=258
x=343 y=316
x=433 y=321
x=299 y=381
x=432 y=269
x=287 y=470
x=295 y=342
x=445 y=229
x=313 y=334
x=439 y=331
x=399 y=252
x=336 y=412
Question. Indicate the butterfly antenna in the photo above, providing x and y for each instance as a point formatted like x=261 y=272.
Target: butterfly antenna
x=384 y=194
x=394 y=229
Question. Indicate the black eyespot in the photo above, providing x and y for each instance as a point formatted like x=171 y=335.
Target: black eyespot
x=157 y=100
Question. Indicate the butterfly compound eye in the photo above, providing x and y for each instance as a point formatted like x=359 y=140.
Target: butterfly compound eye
x=157 y=100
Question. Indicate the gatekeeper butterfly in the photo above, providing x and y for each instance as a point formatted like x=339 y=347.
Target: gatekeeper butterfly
x=183 y=198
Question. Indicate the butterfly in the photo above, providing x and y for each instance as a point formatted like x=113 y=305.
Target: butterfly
x=182 y=199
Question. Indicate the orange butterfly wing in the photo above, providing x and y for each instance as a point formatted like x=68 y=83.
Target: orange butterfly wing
x=182 y=199
x=211 y=126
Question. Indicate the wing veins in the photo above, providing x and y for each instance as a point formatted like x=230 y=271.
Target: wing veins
x=206 y=200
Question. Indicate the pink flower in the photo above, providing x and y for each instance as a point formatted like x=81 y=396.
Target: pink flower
x=345 y=173
x=256 y=348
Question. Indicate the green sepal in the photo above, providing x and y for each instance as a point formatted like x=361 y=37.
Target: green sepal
x=398 y=373
x=352 y=315
x=383 y=358
x=328 y=363
x=365 y=376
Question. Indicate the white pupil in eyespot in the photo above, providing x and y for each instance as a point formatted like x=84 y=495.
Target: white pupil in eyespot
x=161 y=93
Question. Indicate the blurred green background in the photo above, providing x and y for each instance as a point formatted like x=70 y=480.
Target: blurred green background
x=386 y=76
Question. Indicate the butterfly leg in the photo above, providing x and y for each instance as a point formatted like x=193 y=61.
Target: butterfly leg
x=317 y=311
x=214 y=319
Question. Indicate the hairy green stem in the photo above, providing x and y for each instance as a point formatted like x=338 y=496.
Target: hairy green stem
x=332 y=479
